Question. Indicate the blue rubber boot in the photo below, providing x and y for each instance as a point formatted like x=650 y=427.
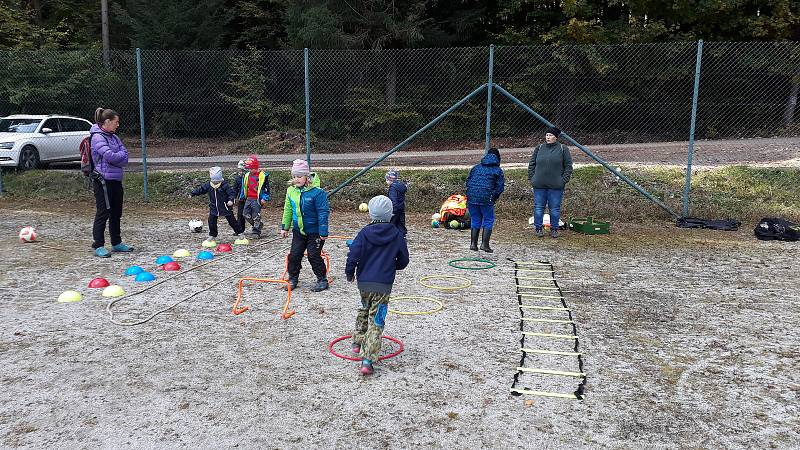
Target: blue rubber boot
x=122 y=248
x=101 y=252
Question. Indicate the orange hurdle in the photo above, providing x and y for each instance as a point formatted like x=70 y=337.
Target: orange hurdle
x=238 y=310
x=327 y=266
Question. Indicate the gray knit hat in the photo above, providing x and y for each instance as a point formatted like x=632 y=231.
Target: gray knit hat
x=215 y=173
x=380 y=208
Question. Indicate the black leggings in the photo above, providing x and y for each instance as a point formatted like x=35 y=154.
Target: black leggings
x=212 y=224
x=113 y=215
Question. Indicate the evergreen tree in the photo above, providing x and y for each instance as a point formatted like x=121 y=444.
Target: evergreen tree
x=176 y=24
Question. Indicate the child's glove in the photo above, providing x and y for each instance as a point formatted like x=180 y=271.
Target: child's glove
x=351 y=277
x=230 y=203
x=263 y=203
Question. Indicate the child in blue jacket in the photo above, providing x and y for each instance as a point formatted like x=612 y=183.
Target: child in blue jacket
x=220 y=202
x=485 y=183
x=378 y=251
x=397 y=194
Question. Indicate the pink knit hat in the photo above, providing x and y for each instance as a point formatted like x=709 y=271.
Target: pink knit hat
x=300 y=168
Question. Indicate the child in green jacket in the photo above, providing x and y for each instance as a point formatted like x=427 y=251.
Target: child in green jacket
x=305 y=213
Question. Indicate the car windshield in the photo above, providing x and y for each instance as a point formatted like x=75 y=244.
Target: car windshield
x=19 y=125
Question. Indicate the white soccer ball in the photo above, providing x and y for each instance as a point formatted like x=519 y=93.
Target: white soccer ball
x=27 y=234
x=195 y=226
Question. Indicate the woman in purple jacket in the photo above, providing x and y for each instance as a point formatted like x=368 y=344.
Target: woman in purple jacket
x=110 y=158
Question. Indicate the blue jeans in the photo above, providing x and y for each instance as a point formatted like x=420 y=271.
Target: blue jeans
x=481 y=216
x=550 y=198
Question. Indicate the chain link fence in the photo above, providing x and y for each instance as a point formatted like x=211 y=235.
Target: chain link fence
x=631 y=104
x=374 y=99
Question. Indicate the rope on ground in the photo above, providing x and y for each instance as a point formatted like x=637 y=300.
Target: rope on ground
x=129 y=324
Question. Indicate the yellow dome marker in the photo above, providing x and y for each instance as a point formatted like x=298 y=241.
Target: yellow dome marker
x=181 y=253
x=69 y=297
x=113 y=291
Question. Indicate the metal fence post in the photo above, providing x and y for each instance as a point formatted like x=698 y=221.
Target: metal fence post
x=141 y=116
x=690 y=155
x=308 y=108
x=490 y=86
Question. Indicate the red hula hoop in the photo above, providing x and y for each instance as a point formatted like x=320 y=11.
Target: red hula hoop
x=352 y=358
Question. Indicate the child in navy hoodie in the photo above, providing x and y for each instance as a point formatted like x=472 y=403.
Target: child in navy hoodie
x=377 y=252
x=397 y=194
x=220 y=202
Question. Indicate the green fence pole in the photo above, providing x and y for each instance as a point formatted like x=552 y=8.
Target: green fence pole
x=308 y=108
x=489 y=100
x=408 y=139
x=585 y=150
x=141 y=116
x=690 y=153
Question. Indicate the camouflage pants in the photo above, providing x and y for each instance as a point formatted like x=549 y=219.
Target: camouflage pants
x=252 y=213
x=369 y=324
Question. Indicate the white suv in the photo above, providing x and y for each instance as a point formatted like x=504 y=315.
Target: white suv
x=30 y=141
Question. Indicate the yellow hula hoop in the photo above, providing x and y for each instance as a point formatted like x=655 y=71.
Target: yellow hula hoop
x=414 y=297
x=467 y=283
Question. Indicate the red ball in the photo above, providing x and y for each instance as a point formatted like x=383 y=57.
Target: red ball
x=98 y=283
x=224 y=248
x=171 y=267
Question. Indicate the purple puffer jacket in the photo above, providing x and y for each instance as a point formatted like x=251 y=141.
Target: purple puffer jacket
x=109 y=154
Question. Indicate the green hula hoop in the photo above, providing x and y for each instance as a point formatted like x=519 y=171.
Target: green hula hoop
x=454 y=263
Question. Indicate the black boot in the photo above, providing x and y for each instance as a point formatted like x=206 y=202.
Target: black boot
x=292 y=283
x=320 y=286
x=473 y=243
x=487 y=234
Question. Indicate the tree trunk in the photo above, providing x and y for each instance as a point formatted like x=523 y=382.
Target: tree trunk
x=104 y=30
x=391 y=80
x=565 y=115
x=37 y=9
x=791 y=103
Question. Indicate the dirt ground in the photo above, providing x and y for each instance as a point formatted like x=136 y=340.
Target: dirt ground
x=689 y=339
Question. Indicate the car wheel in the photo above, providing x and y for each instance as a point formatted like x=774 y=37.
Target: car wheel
x=28 y=158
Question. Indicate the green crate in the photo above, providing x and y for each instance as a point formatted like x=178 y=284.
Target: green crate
x=587 y=225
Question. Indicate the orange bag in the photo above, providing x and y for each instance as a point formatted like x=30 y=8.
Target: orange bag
x=454 y=208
